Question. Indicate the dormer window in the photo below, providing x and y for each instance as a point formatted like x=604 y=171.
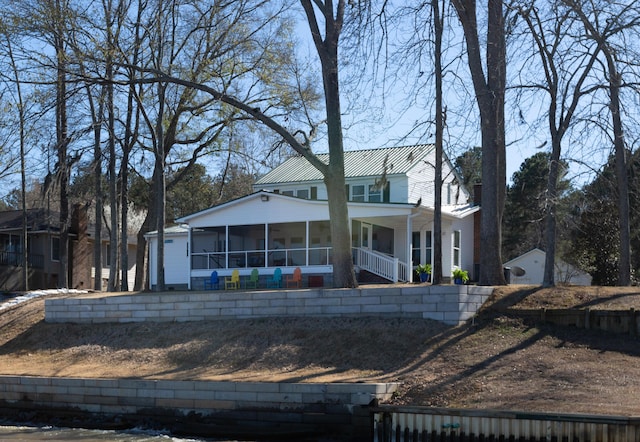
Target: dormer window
x=357 y=192
x=375 y=194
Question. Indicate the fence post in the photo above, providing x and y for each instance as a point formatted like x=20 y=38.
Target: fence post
x=395 y=269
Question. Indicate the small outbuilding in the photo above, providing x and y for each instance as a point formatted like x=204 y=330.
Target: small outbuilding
x=528 y=268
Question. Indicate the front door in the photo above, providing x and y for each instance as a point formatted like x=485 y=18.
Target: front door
x=365 y=235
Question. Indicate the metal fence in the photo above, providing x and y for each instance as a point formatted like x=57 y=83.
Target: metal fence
x=421 y=424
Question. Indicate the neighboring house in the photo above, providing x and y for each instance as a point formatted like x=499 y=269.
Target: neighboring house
x=43 y=251
x=285 y=222
x=532 y=265
x=105 y=249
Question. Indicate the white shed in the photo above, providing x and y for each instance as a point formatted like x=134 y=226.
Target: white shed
x=532 y=265
x=176 y=246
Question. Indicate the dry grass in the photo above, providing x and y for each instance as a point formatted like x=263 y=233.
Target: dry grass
x=497 y=362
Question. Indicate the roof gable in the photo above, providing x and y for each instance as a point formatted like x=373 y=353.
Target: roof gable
x=357 y=163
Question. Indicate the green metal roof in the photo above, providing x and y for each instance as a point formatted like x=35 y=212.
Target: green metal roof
x=357 y=163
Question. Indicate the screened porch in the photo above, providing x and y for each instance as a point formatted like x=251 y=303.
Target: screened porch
x=289 y=244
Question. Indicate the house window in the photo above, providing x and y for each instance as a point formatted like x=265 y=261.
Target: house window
x=375 y=194
x=449 y=193
x=428 y=247
x=55 y=249
x=303 y=193
x=287 y=192
x=357 y=192
x=456 y=248
x=415 y=248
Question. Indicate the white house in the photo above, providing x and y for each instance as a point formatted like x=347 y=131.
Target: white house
x=285 y=222
x=532 y=270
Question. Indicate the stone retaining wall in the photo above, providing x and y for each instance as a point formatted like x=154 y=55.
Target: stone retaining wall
x=453 y=304
x=240 y=404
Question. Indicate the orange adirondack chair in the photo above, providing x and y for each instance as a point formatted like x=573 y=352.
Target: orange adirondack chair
x=295 y=280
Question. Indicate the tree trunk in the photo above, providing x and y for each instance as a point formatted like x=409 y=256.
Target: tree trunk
x=97 y=174
x=622 y=178
x=62 y=142
x=113 y=176
x=343 y=273
x=490 y=92
x=437 y=267
x=159 y=188
x=548 y=279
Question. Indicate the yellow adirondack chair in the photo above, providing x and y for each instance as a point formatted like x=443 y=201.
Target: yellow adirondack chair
x=233 y=282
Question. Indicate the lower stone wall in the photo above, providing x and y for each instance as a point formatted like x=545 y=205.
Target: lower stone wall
x=232 y=405
x=453 y=304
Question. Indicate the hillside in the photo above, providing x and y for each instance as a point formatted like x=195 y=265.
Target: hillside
x=498 y=361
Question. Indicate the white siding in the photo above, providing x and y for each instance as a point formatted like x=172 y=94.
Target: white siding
x=176 y=263
x=277 y=209
x=422 y=184
x=466 y=244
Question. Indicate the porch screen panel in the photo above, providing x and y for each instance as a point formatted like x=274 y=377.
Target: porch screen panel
x=382 y=239
x=319 y=243
x=208 y=248
x=246 y=246
x=287 y=244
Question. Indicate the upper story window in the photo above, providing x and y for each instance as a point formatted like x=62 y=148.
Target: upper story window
x=375 y=194
x=306 y=193
x=357 y=192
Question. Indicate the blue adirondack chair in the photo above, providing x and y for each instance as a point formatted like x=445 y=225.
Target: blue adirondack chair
x=213 y=282
x=276 y=279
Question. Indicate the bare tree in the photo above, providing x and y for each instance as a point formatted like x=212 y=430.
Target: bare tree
x=489 y=82
x=604 y=26
x=438 y=20
x=326 y=44
x=23 y=179
x=332 y=16
x=566 y=65
x=59 y=13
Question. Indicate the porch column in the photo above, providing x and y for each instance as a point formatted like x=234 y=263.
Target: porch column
x=226 y=248
x=266 y=245
x=306 y=254
x=189 y=256
x=410 y=245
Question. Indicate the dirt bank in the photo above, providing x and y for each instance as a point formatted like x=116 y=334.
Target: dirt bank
x=498 y=361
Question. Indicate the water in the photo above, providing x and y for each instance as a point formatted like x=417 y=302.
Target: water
x=28 y=433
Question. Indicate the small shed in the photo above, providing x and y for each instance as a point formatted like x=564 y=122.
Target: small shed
x=528 y=268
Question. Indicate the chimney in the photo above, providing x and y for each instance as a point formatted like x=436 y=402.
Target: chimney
x=477 y=194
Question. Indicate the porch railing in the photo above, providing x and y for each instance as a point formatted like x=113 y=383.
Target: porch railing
x=382 y=265
x=261 y=258
x=15 y=259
